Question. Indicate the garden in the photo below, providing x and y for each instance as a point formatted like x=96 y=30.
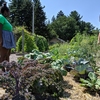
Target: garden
x=65 y=69
x=68 y=71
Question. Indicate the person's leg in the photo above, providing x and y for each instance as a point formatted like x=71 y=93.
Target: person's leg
x=4 y=54
x=8 y=54
x=98 y=38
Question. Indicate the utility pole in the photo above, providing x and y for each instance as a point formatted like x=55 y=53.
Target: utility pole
x=33 y=18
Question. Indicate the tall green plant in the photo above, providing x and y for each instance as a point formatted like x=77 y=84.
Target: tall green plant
x=41 y=43
x=29 y=44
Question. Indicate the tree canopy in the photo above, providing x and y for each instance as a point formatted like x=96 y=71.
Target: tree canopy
x=66 y=27
x=61 y=25
x=21 y=13
x=1 y=2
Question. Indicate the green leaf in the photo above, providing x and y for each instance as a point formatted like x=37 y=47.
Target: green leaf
x=63 y=71
x=55 y=67
x=92 y=76
x=98 y=82
x=91 y=85
x=74 y=72
x=84 y=81
x=81 y=69
x=82 y=84
x=97 y=87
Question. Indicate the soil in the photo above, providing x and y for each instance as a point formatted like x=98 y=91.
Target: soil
x=73 y=90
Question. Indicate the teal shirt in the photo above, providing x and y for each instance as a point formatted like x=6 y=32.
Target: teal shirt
x=6 y=25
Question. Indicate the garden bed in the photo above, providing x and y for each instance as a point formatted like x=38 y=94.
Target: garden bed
x=73 y=90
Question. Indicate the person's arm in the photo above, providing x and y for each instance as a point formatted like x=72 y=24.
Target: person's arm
x=0 y=34
x=98 y=38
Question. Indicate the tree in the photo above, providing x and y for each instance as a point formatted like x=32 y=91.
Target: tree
x=1 y=2
x=95 y=31
x=82 y=25
x=89 y=27
x=60 y=13
x=21 y=13
x=75 y=15
x=40 y=19
x=53 y=19
x=64 y=27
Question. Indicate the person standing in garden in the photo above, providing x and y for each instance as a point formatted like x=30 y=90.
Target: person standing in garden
x=6 y=35
x=98 y=42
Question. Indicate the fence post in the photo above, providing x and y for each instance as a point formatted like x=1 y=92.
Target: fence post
x=23 y=36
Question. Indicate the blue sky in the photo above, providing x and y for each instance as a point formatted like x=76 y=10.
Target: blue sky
x=89 y=9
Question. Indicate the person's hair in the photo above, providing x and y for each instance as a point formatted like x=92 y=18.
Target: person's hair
x=4 y=8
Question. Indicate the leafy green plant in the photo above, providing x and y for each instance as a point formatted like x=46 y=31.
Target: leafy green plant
x=37 y=55
x=31 y=79
x=79 y=67
x=82 y=66
x=48 y=58
x=12 y=80
x=58 y=64
x=45 y=82
x=92 y=82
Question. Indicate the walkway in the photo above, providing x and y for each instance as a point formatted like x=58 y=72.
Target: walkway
x=13 y=57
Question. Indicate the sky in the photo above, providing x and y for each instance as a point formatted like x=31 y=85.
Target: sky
x=89 y=9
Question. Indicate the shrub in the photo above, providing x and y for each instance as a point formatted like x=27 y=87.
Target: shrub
x=36 y=41
x=83 y=39
x=13 y=50
x=29 y=43
x=41 y=43
x=18 y=32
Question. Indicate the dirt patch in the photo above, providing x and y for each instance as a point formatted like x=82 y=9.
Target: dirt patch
x=2 y=91
x=76 y=92
x=14 y=57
